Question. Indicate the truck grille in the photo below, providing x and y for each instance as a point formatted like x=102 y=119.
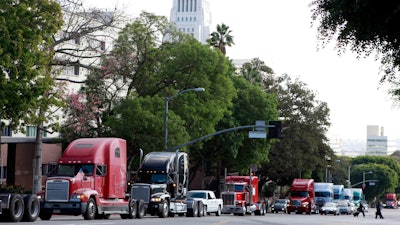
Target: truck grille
x=228 y=198
x=57 y=190
x=141 y=193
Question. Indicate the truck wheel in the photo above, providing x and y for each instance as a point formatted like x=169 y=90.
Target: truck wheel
x=132 y=210
x=90 y=210
x=218 y=213
x=164 y=210
x=201 y=209
x=194 y=211
x=244 y=212
x=32 y=208
x=45 y=216
x=16 y=211
x=141 y=209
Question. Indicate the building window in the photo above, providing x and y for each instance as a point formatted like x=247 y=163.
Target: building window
x=177 y=19
x=76 y=70
x=4 y=172
x=102 y=45
x=194 y=18
x=30 y=131
x=7 y=131
x=77 y=41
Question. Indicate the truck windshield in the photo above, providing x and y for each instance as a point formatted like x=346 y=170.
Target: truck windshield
x=235 y=187
x=323 y=194
x=152 y=178
x=73 y=169
x=299 y=193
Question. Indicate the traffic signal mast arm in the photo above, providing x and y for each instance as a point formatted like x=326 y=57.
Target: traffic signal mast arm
x=271 y=129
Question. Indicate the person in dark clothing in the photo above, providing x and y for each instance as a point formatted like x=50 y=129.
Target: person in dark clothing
x=309 y=208
x=378 y=210
x=361 y=208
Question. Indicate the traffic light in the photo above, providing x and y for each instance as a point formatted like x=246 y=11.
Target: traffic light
x=274 y=132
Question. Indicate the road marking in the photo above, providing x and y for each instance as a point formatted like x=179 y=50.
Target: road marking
x=222 y=222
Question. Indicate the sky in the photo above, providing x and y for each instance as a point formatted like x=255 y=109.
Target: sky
x=279 y=32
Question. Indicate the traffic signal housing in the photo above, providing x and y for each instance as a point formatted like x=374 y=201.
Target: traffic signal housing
x=276 y=130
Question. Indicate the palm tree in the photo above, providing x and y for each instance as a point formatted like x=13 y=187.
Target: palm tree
x=221 y=38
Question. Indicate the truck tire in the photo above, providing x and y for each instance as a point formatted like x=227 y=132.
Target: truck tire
x=16 y=211
x=218 y=213
x=141 y=209
x=164 y=209
x=195 y=210
x=45 y=216
x=90 y=210
x=201 y=209
x=32 y=208
x=131 y=210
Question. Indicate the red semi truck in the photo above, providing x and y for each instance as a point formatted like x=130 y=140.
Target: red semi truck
x=391 y=201
x=91 y=180
x=241 y=196
x=301 y=194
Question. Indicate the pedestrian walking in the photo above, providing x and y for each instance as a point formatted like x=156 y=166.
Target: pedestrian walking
x=378 y=210
x=360 y=208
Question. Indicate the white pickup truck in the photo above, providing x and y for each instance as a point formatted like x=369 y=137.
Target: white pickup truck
x=210 y=202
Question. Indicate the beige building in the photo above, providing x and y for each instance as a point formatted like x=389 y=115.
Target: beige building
x=377 y=143
x=192 y=17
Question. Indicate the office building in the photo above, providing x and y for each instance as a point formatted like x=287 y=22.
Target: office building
x=192 y=17
x=377 y=143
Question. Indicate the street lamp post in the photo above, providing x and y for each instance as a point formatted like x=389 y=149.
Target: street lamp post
x=166 y=112
x=369 y=172
x=348 y=174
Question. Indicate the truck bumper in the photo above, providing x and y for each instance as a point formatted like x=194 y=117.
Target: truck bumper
x=154 y=208
x=63 y=208
x=297 y=209
x=227 y=209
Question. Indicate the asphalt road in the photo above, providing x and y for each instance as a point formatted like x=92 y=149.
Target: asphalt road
x=391 y=216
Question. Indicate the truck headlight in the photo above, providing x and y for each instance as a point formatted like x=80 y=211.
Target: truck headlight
x=155 y=199
x=77 y=197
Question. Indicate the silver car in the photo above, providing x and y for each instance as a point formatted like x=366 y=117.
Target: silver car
x=329 y=208
x=280 y=205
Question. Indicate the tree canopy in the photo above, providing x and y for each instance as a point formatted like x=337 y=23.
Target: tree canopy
x=364 y=26
x=26 y=29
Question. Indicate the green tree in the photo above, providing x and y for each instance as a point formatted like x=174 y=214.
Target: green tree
x=147 y=71
x=26 y=28
x=303 y=148
x=364 y=26
x=384 y=169
x=221 y=38
x=27 y=87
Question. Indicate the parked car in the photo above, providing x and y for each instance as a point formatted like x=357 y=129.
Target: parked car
x=210 y=202
x=353 y=207
x=280 y=205
x=329 y=208
x=344 y=207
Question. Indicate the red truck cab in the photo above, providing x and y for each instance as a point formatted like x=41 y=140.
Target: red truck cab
x=301 y=194
x=391 y=201
x=241 y=196
x=91 y=180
